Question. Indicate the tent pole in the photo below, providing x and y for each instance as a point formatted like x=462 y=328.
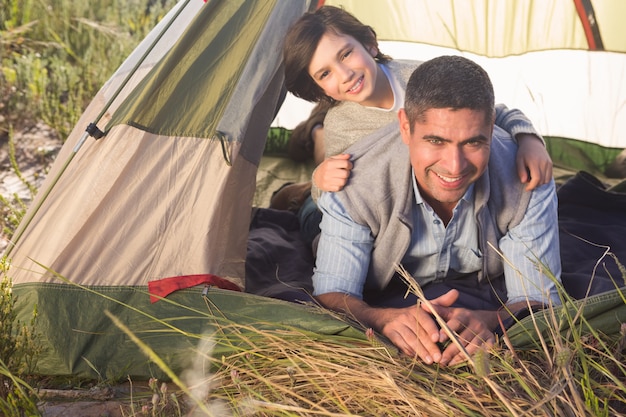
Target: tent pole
x=587 y=16
x=133 y=70
x=92 y=130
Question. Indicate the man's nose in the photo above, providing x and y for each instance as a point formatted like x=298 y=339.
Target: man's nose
x=455 y=160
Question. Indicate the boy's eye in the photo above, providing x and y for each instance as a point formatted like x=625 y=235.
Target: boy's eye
x=347 y=54
x=323 y=75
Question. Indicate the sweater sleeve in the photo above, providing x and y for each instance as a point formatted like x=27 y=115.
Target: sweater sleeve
x=515 y=122
x=335 y=141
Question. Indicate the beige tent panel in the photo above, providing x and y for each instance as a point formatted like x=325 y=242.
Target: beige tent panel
x=140 y=222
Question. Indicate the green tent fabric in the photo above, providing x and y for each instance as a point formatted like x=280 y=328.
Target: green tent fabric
x=168 y=190
x=570 y=156
x=210 y=56
x=82 y=341
x=598 y=315
x=91 y=346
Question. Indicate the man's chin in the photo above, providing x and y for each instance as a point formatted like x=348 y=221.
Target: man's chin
x=450 y=196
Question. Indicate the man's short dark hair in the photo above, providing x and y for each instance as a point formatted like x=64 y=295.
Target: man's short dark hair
x=448 y=82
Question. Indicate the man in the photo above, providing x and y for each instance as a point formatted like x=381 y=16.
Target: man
x=451 y=211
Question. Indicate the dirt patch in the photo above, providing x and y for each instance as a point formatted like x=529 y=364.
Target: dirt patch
x=84 y=409
x=121 y=400
x=35 y=150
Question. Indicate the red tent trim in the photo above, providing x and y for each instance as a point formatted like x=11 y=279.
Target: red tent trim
x=163 y=287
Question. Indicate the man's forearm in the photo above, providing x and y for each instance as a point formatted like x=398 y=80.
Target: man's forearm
x=353 y=307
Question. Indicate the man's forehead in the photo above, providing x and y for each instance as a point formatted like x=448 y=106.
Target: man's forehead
x=450 y=124
x=453 y=115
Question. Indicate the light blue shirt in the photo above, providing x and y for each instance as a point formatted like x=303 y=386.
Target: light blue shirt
x=437 y=252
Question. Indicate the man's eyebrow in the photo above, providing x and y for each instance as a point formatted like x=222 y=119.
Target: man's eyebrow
x=479 y=138
x=435 y=137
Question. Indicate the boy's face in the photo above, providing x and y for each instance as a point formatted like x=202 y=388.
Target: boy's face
x=449 y=150
x=346 y=70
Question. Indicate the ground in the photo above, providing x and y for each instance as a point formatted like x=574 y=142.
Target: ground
x=36 y=147
x=123 y=400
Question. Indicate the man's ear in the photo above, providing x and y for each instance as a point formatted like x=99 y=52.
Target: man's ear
x=405 y=126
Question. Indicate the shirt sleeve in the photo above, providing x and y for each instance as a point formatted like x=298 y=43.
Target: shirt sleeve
x=515 y=122
x=531 y=251
x=343 y=252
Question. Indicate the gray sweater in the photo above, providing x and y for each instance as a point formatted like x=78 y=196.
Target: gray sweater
x=380 y=195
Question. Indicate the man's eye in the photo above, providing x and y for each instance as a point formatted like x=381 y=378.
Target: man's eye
x=474 y=143
x=435 y=141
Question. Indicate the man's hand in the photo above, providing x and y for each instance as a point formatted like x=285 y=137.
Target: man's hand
x=414 y=330
x=332 y=174
x=474 y=330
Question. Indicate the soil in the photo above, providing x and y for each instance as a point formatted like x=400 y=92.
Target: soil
x=36 y=147
x=122 y=400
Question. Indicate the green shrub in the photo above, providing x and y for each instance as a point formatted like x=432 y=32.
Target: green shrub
x=56 y=55
x=19 y=349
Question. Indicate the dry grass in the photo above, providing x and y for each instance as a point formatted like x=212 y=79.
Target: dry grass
x=290 y=373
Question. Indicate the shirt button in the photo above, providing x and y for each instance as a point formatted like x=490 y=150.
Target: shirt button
x=436 y=221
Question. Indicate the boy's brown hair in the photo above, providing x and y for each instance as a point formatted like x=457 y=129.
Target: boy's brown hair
x=302 y=40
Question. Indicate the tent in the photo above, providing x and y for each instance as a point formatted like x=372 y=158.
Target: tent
x=154 y=188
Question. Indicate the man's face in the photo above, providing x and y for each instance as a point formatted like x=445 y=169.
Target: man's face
x=449 y=151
